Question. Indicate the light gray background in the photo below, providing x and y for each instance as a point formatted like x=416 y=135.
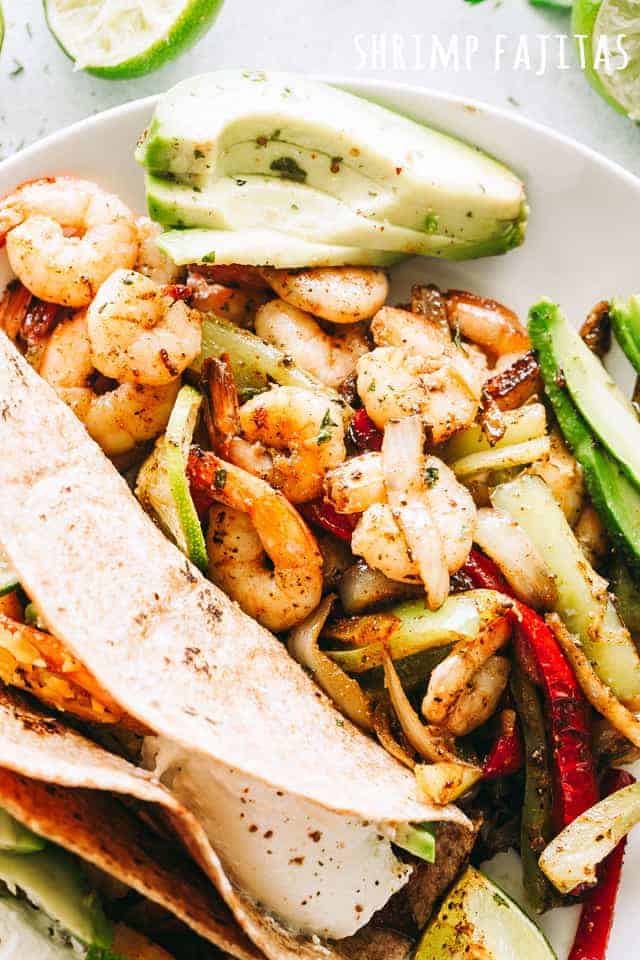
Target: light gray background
x=319 y=36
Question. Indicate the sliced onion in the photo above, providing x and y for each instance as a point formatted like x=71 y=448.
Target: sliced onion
x=599 y=695
x=526 y=423
x=571 y=859
x=345 y=692
x=384 y=733
x=442 y=783
x=429 y=743
x=405 y=483
x=480 y=699
x=361 y=588
x=513 y=551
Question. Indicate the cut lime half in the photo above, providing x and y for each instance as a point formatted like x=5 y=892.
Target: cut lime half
x=121 y=39
x=612 y=50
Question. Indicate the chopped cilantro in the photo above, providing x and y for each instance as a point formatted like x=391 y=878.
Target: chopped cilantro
x=209 y=257
x=17 y=70
x=289 y=169
x=326 y=428
x=431 y=476
x=220 y=479
x=431 y=222
x=199 y=154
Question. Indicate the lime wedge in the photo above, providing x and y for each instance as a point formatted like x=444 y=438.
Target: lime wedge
x=121 y=39
x=612 y=27
x=162 y=486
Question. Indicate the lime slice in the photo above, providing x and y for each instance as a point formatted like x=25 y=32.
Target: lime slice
x=120 y=39
x=610 y=25
x=162 y=485
x=8 y=578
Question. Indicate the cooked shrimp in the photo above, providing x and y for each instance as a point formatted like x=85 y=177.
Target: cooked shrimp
x=416 y=369
x=478 y=702
x=237 y=305
x=417 y=333
x=65 y=236
x=117 y=419
x=451 y=678
x=329 y=357
x=139 y=333
x=289 y=436
x=356 y=484
x=378 y=537
x=260 y=550
x=152 y=262
x=394 y=383
x=487 y=323
x=338 y=294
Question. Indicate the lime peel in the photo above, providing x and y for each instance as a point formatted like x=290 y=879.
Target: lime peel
x=162 y=482
x=120 y=41
x=603 y=23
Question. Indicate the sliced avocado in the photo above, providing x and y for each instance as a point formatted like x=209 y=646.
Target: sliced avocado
x=53 y=881
x=625 y=320
x=477 y=919
x=295 y=209
x=615 y=498
x=26 y=934
x=382 y=165
x=16 y=838
x=418 y=839
x=264 y=248
x=596 y=395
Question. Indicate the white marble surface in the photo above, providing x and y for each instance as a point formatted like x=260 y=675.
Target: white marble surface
x=324 y=36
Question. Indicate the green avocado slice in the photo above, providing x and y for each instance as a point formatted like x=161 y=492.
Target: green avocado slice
x=52 y=880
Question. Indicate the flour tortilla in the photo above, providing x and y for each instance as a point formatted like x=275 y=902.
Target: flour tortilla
x=62 y=787
x=170 y=647
x=166 y=643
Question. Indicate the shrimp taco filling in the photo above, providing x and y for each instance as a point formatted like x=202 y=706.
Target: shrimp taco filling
x=432 y=506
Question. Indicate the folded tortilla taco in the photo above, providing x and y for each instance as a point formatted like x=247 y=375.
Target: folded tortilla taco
x=300 y=807
x=73 y=855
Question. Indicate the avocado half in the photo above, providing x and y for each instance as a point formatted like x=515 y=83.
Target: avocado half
x=241 y=150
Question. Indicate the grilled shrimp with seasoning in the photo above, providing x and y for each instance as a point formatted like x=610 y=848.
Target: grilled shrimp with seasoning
x=399 y=483
x=337 y=294
x=288 y=436
x=65 y=237
x=330 y=357
x=118 y=418
x=261 y=553
x=417 y=369
x=139 y=332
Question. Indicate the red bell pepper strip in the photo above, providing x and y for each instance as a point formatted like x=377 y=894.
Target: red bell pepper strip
x=596 y=919
x=576 y=784
x=364 y=433
x=323 y=514
x=39 y=322
x=507 y=753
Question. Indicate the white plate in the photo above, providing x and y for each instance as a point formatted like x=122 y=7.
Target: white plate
x=582 y=246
